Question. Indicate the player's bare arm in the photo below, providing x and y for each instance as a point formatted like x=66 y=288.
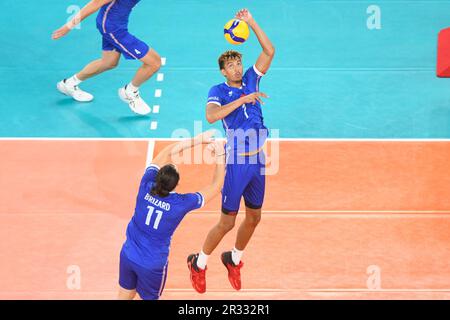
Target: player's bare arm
x=165 y=156
x=210 y=191
x=266 y=57
x=215 y=112
x=85 y=12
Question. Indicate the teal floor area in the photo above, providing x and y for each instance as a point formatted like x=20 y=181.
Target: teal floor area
x=332 y=77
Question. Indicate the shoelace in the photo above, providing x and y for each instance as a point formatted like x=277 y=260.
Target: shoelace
x=136 y=95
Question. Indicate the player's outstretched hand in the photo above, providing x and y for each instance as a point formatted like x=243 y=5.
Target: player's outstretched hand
x=61 y=32
x=253 y=97
x=244 y=15
x=206 y=137
x=218 y=150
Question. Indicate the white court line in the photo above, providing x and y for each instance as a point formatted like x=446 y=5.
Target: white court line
x=160 y=77
x=155 y=109
x=153 y=125
x=179 y=139
x=158 y=93
x=150 y=150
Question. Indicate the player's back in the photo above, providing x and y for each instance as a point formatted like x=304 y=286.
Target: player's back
x=156 y=218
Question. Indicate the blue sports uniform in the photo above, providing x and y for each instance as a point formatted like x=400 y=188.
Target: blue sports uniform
x=112 y=22
x=246 y=135
x=144 y=255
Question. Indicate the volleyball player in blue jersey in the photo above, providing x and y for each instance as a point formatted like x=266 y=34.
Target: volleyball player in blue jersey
x=159 y=210
x=237 y=104
x=112 y=23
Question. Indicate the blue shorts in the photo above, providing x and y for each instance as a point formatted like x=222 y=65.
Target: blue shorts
x=244 y=179
x=125 y=43
x=149 y=283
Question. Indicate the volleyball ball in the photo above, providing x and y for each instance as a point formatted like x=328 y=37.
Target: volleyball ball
x=236 y=31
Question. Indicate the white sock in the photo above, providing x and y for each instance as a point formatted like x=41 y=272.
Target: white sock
x=236 y=255
x=131 y=88
x=202 y=260
x=73 y=81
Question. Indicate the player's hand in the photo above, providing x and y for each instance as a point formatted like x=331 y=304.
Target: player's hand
x=254 y=97
x=244 y=15
x=61 y=32
x=218 y=150
x=206 y=137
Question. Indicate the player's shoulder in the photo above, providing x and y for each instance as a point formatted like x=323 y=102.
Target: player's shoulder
x=196 y=197
x=253 y=70
x=152 y=168
x=217 y=94
x=218 y=87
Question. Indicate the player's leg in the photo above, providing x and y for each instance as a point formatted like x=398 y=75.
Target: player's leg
x=133 y=48
x=216 y=234
x=234 y=185
x=197 y=262
x=109 y=60
x=254 y=197
x=151 y=63
x=151 y=280
x=246 y=229
x=125 y=294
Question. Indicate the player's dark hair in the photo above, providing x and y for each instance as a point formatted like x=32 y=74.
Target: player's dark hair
x=166 y=180
x=228 y=55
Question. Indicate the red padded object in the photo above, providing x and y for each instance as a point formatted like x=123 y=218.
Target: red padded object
x=443 y=57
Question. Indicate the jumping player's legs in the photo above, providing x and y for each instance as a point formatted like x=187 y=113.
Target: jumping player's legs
x=247 y=227
x=234 y=185
x=216 y=234
x=197 y=262
x=254 y=198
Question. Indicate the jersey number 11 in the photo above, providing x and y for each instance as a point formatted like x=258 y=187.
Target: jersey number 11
x=149 y=217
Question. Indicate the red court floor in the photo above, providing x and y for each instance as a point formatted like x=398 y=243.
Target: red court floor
x=334 y=212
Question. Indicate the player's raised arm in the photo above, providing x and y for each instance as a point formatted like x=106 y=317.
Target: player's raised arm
x=210 y=191
x=85 y=12
x=265 y=58
x=164 y=157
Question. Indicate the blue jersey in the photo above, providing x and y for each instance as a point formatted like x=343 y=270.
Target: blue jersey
x=246 y=117
x=114 y=15
x=155 y=219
